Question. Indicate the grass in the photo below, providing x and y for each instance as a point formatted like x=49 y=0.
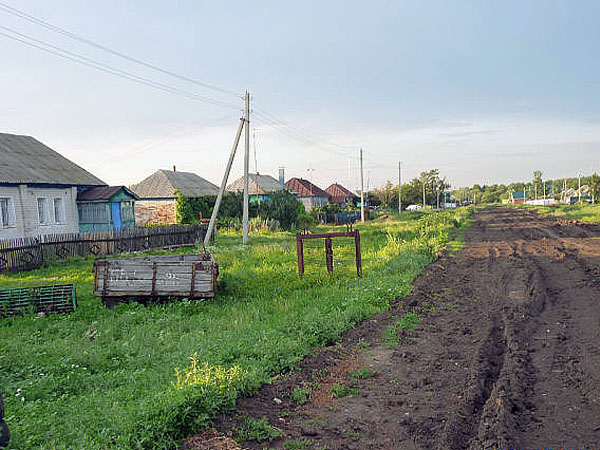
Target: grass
x=144 y=377
x=258 y=430
x=300 y=395
x=584 y=213
x=362 y=373
x=339 y=390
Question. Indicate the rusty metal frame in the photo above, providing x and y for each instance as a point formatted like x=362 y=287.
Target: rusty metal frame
x=301 y=237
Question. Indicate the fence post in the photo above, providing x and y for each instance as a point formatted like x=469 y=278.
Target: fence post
x=329 y=254
x=358 y=254
x=300 y=252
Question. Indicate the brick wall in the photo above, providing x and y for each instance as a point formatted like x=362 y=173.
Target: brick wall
x=154 y=211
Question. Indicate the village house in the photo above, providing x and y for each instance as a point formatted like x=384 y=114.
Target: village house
x=259 y=186
x=38 y=189
x=519 y=197
x=309 y=194
x=106 y=208
x=338 y=194
x=158 y=194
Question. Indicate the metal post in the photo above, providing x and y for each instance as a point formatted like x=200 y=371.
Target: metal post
x=362 y=189
x=215 y=212
x=358 y=254
x=300 y=253
x=329 y=254
x=246 y=164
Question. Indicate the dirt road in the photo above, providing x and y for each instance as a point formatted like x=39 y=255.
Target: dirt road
x=506 y=354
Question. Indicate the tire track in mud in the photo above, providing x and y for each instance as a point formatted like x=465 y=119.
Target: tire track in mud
x=507 y=354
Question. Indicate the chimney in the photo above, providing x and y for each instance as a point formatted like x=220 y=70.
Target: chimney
x=282 y=175
x=174 y=168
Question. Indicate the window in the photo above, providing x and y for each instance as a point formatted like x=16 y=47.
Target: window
x=7 y=213
x=43 y=211
x=59 y=211
x=92 y=213
x=127 y=211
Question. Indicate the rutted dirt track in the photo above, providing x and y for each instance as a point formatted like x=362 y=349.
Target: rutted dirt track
x=506 y=356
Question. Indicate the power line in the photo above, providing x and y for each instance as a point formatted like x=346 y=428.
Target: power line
x=177 y=134
x=49 y=26
x=58 y=51
x=285 y=123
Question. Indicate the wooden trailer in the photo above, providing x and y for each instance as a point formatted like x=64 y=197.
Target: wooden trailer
x=155 y=277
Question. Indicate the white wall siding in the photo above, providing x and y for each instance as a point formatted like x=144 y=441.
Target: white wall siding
x=25 y=199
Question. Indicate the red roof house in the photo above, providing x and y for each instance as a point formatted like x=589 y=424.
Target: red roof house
x=308 y=193
x=339 y=194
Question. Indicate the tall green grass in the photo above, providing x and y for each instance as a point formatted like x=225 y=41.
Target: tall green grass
x=123 y=379
x=584 y=213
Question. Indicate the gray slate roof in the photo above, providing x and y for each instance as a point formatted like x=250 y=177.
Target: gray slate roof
x=163 y=183
x=24 y=159
x=257 y=184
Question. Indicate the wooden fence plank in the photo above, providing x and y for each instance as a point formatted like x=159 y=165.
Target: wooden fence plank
x=32 y=252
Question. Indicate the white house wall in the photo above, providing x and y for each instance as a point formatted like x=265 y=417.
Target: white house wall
x=27 y=222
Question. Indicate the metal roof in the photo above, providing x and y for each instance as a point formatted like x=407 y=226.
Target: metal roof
x=25 y=160
x=257 y=184
x=164 y=183
x=304 y=188
x=103 y=193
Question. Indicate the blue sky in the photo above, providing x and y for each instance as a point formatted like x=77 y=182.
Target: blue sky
x=485 y=91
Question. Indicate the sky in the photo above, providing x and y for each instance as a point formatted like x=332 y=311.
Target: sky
x=485 y=91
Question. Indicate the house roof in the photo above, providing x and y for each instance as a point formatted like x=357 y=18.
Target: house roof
x=257 y=184
x=103 y=193
x=304 y=188
x=25 y=160
x=518 y=195
x=164 y=183
x=339 y=193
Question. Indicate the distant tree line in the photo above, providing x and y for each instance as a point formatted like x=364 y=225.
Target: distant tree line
x=538 y=187
x=429 y=184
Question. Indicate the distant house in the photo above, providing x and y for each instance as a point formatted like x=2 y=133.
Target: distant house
x=106 y=208
x=259 y=186
x=572 y=196
x=38 y=189
x=340 y=195
x=519 y=197
x=309 y=194
x=157 y=194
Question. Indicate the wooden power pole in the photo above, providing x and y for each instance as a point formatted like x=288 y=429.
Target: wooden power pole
x=246 y=164
x=362 y=189
x=399 y=187
x=215 y=212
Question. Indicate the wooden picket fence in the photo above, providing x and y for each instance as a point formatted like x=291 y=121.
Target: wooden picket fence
x=33 y=252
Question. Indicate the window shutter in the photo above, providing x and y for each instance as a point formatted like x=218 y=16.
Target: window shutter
x=12 y=221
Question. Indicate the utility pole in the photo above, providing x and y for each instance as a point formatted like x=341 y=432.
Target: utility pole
x=399 y=187
x=215 y=212
x=246 y=164
x=579 y=189
x=423 y=183
x=362 y=189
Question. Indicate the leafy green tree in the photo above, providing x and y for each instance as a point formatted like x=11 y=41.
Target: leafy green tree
x=282 y=206
x=595 y=186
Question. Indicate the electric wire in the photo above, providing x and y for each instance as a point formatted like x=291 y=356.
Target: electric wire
x=58 y=51
x=49 y=26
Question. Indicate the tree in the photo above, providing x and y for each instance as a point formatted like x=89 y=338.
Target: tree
x=537 y=181
x=281 y=206
x=595 y=186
